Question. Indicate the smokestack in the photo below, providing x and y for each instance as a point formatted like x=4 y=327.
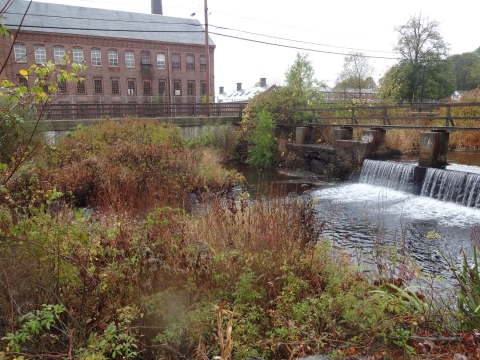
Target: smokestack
x=221 y=90
x=239 y=86
x=263 y=82
x=157 y=7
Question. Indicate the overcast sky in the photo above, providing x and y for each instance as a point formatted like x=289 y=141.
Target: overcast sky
x=343 y=25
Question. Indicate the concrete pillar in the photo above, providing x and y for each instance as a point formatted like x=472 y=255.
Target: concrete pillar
x=376 y=136
x=303 y=134
x=343 y=133
x=433 y=149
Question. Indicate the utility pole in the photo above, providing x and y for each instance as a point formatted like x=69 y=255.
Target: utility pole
x=423 y=81
x=207 y=57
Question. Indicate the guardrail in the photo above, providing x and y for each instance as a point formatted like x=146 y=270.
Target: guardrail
x=437 y=115
x=147 y=110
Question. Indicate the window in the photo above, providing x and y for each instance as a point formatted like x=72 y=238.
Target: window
x=162 y=87
x=62 y=87
x=22 y=81
x=203 y=63
x=58 y=54
x=131 y=87
x=20 y=53
x=96 y=57
x=190 y=62
x=203 y=89
x=145 y=59
x=129 y=59
x=147 y=87
x=81 y=87
x=40 y=54
x=160 y=61
x=115 y=87
x=113 y=58
x=97 y=86
x=177 y=86
x=191 y=88
x=78 y=55
x=175 y=61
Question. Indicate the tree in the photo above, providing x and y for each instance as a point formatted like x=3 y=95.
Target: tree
x=466 y=68
x=356 y=74
x=422 y=66
x=301 y=76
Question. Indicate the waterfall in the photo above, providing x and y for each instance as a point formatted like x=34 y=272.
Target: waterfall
x=390 y=174
x=458 y=187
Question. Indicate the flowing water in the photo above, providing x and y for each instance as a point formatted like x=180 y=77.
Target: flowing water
x=382 y=210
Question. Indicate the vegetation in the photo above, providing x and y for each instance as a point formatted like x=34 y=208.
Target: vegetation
x=466 y=68
x=356 y=74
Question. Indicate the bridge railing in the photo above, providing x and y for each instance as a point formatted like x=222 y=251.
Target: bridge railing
x=405 y=115
x=91 y=111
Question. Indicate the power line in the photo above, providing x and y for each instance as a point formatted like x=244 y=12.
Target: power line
x=218 y=27
x=116 y=30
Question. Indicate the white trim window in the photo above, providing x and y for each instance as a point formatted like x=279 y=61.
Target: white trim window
x=40 y=54
x=96 y=57
x=20 y=53
x=161 y=61
x=78 y=55
x=129 y=59
x=113 y=58
x=58 y=54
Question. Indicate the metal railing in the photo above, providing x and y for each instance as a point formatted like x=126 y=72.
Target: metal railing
x=142 y=110
x=431 y=116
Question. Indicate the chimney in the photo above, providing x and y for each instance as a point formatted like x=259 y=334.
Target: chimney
x=221 y=90
x=157 y=7
x=263 y=82
x=239 y=86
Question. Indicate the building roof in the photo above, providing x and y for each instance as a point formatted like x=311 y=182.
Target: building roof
x=66 y=19
x=243 y=95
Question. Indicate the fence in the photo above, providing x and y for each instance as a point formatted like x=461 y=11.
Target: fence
x=148 y=110
x=436 y=115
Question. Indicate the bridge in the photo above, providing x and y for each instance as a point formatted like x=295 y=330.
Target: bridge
x=438 y=118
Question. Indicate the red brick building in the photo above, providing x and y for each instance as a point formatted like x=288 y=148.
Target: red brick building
x=130 y=57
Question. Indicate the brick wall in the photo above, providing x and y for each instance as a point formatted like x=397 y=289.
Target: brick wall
x=106 y=73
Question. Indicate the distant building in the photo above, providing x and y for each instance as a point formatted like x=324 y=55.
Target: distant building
x=334 y=95
x=130 y=57
x=242 y=95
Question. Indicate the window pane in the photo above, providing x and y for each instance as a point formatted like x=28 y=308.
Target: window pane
x=62 y=87
x=96 y=57
x=190 y=62
x=77 y=55
x=204 y=88
x=131 y=87
x=147 y=88
x=177 y=88
x=98 y=88
x=20 y=53
x=203 y=63
x=162 y=87
x=58 y=54
x=40 y=54
x=81 y=88
x=145 y=59
x=115 y=87
x=112 y=58
x=129 y=59
x=160 y=61
x=191 y=88
x=176 y=61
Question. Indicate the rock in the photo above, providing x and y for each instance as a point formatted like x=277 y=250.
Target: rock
x=317 y=167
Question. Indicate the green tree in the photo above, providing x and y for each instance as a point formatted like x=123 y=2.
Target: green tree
x=423 y=60
x=356 y=74
x=466 y=68
x=263 y=141
x=300 y=75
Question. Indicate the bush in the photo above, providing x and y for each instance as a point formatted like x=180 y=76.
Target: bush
x=262 y=140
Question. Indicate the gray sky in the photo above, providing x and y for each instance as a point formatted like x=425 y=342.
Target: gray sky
x=344 y=25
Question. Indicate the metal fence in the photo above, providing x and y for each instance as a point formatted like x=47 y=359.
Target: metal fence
x=148 y=110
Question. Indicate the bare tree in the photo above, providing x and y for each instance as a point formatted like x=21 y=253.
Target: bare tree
x=356 y=74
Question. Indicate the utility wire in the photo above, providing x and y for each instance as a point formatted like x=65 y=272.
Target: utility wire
x=215 y=26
